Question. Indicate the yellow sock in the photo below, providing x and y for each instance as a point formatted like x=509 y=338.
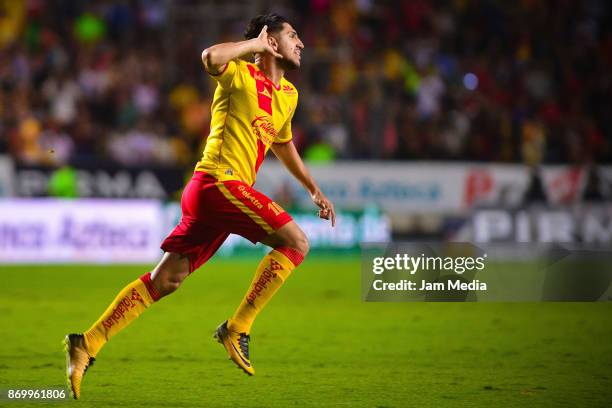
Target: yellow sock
x=127 y=306
x=271 y=273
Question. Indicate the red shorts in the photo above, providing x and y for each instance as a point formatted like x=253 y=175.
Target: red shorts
x=212 y=210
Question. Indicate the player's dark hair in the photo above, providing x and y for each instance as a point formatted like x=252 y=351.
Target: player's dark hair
x=272 y=20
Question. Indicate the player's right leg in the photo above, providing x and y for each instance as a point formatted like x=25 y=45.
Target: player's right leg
x=130 y=302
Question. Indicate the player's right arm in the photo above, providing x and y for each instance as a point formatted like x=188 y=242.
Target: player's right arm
x=216 y=57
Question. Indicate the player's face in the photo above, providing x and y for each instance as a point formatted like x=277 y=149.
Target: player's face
x=290 y=47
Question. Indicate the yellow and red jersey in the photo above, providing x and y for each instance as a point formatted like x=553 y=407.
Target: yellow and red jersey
x=249 y=113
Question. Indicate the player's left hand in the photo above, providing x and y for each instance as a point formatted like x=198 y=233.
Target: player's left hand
x=326 y=207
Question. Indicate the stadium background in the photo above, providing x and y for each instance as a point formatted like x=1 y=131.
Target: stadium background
x=477 y=121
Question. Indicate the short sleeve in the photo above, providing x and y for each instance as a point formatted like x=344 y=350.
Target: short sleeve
x=226 y=76
x=285 y=134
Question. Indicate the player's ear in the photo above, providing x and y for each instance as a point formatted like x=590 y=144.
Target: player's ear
x=273 y=43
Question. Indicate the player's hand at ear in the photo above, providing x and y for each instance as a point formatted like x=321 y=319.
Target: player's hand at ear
x=264 y=43
x=326 y=211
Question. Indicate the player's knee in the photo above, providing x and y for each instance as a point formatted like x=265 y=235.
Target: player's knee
x=168 y=285
x=300 y=242
x=173 y=284
x=170 y=274
x=290 y=236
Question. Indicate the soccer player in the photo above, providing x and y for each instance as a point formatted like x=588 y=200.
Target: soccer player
x=252 y=110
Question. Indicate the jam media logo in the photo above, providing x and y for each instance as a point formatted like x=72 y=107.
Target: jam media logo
x=289 y=90
x=264 y=129
x=265 y=278
x=126 y=304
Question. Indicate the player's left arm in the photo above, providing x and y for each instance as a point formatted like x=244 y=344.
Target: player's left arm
x=289 y=156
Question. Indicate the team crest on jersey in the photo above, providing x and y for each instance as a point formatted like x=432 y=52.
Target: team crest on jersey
x=264 y=129
x=229 y=172
x=258 y=75
x=264 y=89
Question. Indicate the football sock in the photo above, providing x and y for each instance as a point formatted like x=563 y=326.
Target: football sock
x=127 y=306
x=271 y=273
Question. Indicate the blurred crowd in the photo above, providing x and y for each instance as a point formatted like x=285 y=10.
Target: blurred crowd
x=117 y=82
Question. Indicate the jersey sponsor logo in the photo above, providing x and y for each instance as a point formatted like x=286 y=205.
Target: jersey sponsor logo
x=250 y=197
x=264 y=129
x=264 y=101
x=289 y=90
x=264 y=89
x=125 y=305
x=265 y=278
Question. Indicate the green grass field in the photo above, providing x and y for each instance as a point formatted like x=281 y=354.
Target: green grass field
x=316 y=344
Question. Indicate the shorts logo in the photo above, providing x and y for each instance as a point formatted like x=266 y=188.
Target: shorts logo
x=265 y=278
x=275 y=208
x=125 y=305
x=250 y=197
